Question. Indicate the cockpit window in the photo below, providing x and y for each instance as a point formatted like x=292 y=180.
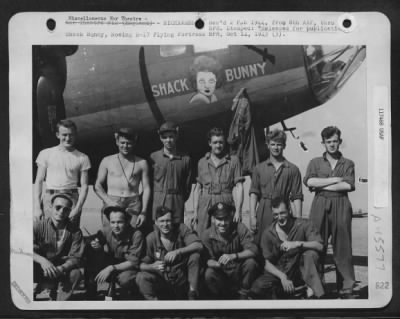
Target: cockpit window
x=329 y=67
x=172 y=50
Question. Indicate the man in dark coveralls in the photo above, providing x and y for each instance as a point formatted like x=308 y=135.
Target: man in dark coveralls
x=172 y=174
x=170 y=269
x=231 y=255
x=117 y=255
x=272 y=178
x=291 y=248
x=219 y=179
x=57 y=250
x=331 y=177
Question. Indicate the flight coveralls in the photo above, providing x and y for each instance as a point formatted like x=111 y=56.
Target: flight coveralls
x=127 y=247
x=236 y=277
x=174 y=282
x=267 y=183
x=172 y=183
x=217 y=184
x=331 y=213
x=298 y=264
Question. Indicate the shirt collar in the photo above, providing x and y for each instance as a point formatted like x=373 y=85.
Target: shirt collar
x=178 y=155
x=226 y=156
x=175 y=232
x=223 y=161
x=285 y=163
x=50 y=222
x=272 y=228
x=340 y=159
x=125 y=237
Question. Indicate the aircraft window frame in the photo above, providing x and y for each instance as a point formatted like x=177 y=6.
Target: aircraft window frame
x=167 y=54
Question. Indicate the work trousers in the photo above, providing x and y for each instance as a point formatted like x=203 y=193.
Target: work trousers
x=97 y=261
x=231 y=281
x=61 y=288
x=157 y=285
x=268 y=286
x=332 y=215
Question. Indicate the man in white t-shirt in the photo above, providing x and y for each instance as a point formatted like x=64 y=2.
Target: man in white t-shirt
x=62 y=168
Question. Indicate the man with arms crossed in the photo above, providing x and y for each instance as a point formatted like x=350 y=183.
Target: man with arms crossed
x=291 y=248
x=230 y=254
x=172 y=174
x=62 y=167
x=57 y=250
x=170 y=269
x=219 y=179
x=331 y=177
x=117 y=255
x=121 y=174
x=274 y=177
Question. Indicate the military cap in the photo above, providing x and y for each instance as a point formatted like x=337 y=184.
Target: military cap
x=168 y=127
x=62 y=195
x=161 y=211
x=127 y=132
x=221 y=210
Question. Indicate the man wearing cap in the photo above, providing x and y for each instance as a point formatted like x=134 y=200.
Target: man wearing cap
x=291 y=248
x=57 y=250
x=219 y=176
x=170 y=269
x=63 y=169
x=121 y=174
x=117 y=255
x=274 y=177
x=172 y=174
x=230 y=254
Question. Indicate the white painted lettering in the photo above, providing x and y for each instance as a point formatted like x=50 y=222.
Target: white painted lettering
x=155 y=90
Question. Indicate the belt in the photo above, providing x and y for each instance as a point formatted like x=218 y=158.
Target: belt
x=58 y=191
x=217 y=191
x=266 y=196
x=328 y=194
x=169 y=191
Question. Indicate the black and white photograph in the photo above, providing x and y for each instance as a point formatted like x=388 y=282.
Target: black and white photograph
x=205 y=171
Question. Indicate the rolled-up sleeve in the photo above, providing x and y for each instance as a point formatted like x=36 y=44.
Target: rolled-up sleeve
x=134 y=252
x=349 y=176
x=85 y=163
x=255 y=183
x=247 y=239
x=297 y=190
x=237 y=171
x=208 y=252
x=42 y=158
x=149 y=257
x=267 y=248
x=311 y=172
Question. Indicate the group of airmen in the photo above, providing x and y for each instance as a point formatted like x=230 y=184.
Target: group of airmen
x=214 y=256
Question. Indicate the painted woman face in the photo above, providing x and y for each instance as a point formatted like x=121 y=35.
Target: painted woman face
x=206 y=82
